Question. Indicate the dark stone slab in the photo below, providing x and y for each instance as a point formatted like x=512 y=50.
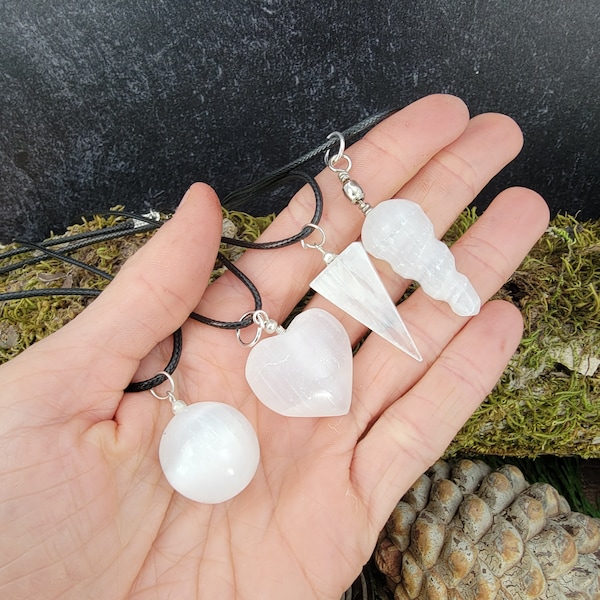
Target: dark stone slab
x=105 y=101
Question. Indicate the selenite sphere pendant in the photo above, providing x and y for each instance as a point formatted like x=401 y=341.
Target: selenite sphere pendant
x=306 y=371
x=209 y=452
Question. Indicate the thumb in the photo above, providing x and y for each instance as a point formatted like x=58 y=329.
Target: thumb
x=156 y=289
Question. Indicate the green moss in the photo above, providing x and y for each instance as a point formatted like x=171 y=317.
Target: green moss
x=548 y=400
x=25 y=321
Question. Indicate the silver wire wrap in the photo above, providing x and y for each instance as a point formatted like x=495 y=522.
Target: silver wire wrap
x=176 y=405
x=328 y=257
x=351 y=189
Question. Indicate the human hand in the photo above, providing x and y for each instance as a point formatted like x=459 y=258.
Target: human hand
x=84 y=508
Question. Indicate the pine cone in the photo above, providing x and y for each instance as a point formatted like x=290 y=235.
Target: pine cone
x=465 y=532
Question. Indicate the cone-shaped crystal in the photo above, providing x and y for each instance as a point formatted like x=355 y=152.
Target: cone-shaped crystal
x=351 y=282
x=399 y=232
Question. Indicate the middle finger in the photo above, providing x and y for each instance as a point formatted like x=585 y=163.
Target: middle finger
x=388 y=157
x=444 y=186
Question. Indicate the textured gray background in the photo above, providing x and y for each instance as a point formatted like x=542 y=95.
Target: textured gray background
x=105 y=101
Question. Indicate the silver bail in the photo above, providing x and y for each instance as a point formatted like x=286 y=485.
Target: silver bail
x=352 y=190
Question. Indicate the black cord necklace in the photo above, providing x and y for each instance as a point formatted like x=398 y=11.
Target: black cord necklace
x=71 y=243
x=142 y=223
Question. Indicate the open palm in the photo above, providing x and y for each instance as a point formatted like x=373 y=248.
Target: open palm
x=85 y=511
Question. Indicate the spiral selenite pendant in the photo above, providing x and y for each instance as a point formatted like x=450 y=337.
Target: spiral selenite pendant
x=399 y=232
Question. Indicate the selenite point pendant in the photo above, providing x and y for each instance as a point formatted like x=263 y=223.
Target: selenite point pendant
x=306 y=371
x=351 y=282
x=209 y=452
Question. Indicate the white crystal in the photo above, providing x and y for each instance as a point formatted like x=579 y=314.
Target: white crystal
x=352 y=284
x=306 y=371
x=399 y=232
x=209 y=452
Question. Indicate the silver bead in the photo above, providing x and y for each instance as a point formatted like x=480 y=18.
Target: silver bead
x=353 y=191
x=271 y=326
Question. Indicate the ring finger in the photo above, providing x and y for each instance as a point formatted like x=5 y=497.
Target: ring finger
x=488 y=253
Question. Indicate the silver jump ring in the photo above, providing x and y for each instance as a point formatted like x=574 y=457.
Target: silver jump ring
x=329 y=160
x=318 y=246
x=170 y=394
x=238 y=332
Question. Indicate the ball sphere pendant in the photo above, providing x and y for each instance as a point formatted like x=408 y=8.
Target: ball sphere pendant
x=209 y=452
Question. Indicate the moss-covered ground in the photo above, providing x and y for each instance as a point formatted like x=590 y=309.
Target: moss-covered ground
x=548 y=400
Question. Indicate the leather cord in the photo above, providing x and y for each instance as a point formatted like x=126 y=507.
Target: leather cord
x=141 y=223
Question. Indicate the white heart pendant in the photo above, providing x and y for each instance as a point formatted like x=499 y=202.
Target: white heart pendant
x=306 y=371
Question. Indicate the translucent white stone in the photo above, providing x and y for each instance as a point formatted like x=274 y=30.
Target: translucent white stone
x=209 y=452
x=351 y=282
x=305 y=371
x=399 y=232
